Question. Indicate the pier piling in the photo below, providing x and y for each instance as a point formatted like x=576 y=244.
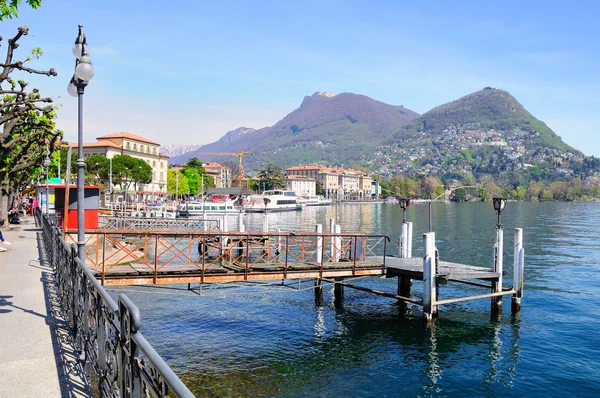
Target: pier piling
x=338 y=291
x=518 y=271
x=498 y=256
x=429 y=289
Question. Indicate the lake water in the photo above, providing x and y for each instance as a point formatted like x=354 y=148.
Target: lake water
x=274 y=340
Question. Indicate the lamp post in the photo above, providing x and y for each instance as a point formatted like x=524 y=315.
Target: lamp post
x=266 y=224
x=110 y=192
x=47 y=163
x=84 y=72
x=499 y=204
x=404 y=203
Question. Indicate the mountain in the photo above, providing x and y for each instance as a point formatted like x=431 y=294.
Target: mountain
x=326 y=128
x=178 y=149
x=492 y=108
x=486 y=132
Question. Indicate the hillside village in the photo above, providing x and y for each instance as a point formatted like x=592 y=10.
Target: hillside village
x=459 y=150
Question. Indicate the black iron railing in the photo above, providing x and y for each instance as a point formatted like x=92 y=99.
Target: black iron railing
x=106 y=333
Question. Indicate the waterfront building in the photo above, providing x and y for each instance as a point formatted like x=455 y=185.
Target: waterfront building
x=303 y=186
x=135 y=146
x=221 y=174
x=336 y=182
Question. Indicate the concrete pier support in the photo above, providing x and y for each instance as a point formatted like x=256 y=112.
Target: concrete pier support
x=338 y=291
x=429 y=290
x=404 y=286
x=318 y=292
x=498 y=257
x=518 y=271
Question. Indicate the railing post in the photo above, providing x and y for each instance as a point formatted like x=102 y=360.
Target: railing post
x=518 y=270
x=497 y=285
x=129 y=373
x=409 y=240
x=332 y=240
x=429 y=291
x=338 y=242
x=319 y=251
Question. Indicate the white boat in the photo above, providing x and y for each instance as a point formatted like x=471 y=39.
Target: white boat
x=273 y=200
x=317 y=200
x=198 y=209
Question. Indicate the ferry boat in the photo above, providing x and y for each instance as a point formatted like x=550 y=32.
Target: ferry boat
x=278 y=200
x=317 y=200
x=198 y=209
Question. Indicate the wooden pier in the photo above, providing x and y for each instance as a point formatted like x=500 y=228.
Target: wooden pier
x=136 y=257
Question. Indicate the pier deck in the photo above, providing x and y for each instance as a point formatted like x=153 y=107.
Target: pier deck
x=413 y=268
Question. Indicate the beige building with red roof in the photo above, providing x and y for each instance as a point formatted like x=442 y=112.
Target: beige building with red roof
x=221 y=174
x=336 y=181
x=136 y=146
x=301 y=185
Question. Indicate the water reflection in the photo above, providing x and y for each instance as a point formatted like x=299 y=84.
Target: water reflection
x=288 y=343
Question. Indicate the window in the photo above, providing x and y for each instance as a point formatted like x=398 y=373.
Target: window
x=154 y=151
x=141 y=148
x=128 y=145
x=135 y=147
x=154 y=163
x=162 y=176
x=161 y=165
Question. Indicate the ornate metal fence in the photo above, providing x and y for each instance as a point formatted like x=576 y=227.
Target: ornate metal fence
x=154 y=224
x=106 y=333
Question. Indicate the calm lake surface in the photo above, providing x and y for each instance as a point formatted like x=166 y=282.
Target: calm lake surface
x=273 y=340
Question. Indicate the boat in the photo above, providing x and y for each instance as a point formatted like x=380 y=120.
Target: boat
x=210 y=207
x=273 y=200
x=317 y=200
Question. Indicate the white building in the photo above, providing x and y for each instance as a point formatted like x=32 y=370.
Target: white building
x=135 y=146
x=303 y=186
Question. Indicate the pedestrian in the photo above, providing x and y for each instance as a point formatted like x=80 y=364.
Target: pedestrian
x=4 y=242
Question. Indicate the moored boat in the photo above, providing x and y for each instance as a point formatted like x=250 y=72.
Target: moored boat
x=273 y=200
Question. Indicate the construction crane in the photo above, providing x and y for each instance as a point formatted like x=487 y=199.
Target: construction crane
x=240 y=155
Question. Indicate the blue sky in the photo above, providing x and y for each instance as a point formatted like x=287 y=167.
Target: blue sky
x=189 y=71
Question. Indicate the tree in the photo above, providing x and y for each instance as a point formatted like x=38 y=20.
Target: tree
x=203 y=181
x=179 y=182
x=9 y=8
x=27 y=121
x=194 y=180
x=128 y=170
x=271 y=176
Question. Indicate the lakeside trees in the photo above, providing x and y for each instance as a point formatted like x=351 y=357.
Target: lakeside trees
x=27 y=119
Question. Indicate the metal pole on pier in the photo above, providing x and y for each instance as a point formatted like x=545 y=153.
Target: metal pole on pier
x=338 y=243
x=319 y=251
x=429 y=290
x=518 y=270
x=498 y=255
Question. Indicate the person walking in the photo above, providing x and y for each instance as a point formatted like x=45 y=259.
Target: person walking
x=4 y=242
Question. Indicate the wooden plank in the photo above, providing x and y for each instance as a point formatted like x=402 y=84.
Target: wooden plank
x=413 y=268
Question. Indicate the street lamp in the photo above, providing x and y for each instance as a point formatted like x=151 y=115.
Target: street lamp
x=84 y=72
x=47 y=163
x=404 y=203
x=499 y=204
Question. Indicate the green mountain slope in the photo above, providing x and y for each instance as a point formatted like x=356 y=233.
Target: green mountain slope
x=326 y=128
x=492 y=109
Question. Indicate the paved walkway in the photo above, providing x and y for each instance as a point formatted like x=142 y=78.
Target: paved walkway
x=36 y=357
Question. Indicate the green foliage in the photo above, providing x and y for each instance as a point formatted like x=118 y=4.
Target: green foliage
x=10 y=8
x=199 y=180
x=193 y=179
x=177 y=180
x=271 y=176
x=128 y=170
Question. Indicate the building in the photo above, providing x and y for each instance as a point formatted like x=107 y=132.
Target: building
x=301 y=185
x=221 y=174
x=135 y=146
x=336 y=182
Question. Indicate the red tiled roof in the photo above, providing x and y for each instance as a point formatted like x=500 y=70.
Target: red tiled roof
x=127 y=135
x=98 y=144
x=297 y=177
x=163 y=155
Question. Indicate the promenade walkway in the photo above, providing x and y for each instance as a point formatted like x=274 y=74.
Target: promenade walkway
x=37 y=358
